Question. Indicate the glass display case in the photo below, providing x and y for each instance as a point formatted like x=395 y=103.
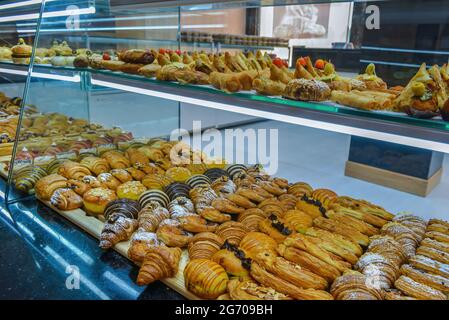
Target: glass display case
x=337 y=97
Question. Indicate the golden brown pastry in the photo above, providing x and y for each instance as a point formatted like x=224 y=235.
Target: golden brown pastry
x=418 y=290
x=96 y=165
x=117 y=228
x=299 y=189
x=344 y=230
x=298 y=220
x=442 y=246
x=240 y=201
x=430 y=265
x=246 y=289
x=151 y=216
x=159 y=263
x=336 y=239
x=232 y=232
x=204 y=245
x=170 y=233
x=232 y=262
x=389 y=248
x=214 y=215
x=138 y=56
x=362 y=210
x=95 y=200
x=434 y=254
x=205 y=278
x=78 y=186
x=438 y=228
x=375 y=265
x=195 y=223
x=439 y=221
x=408 y=239
x=360 y=225
x=108 y=180
x=73 y=170
x=251 y=218
x=255 y=242
x=335 y=251
x=116 y=159
x=92 y=181
x=141 y=242
x=394 y=294
x=354 y=286
x=307 y=90
x=136 y=173
x=122 y=175
x=438 y=236
x=432 y=280
x=276 y=228
x=47 y=185
x=66 y=199
x=131 y=190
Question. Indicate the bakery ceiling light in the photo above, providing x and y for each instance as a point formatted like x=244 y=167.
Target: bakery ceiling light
x=383 y=136
x=34 y=16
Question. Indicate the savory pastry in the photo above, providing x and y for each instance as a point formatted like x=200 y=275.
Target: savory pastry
x=117 y=228
x=124 y=207
x=227 y=82
x=108 y=180
x=232 y=232
x=268 y=87
x=96 y=165
x=73 y=170
x=371 y=80
x=204 y=245
x=418 y=290
x=141 y=242
x=205 y=278
x=170 y=233
x=66 y=199
x=116 y=159
x=149 y=70
x=95 y=200
x=47 y=185
x=307 y=90
x=21 y=52
x=160 y=262
x=131 y=190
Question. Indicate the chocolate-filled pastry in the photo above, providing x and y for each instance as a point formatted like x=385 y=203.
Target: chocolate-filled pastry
x=442 y=246
x=198 y=180
x=203 y=245
x=66 y=199
x=309 y=261
x=235 y=169
x=230 y=261
x=276 y=228
x=141 y=242
x=299 y=189
x=205 y=278
x=137 y=174
x=108 y=180
x=47 y=185
x=434 y=281
x=344 y=230
x=170 y=233
x=137 y=56
x=53 y=166
x=232 y=232
x=305 y=243
x=434 y=254
x=177 y=189
x=153 y=195
x=307 y=90
x=354 y=286
x=73 y=170
x=226 y=206
x=96 y=165
x=325 y=196
x=255 y=242
x=26 y=178
x=430 y=265
x=116 y=159
x=310 y=206
x=125 y=207
x=418 y=290
x=78 y=186
x=92 y=181
x=151 y=216
x=95 y=200
x=136 y=156
x=246 y=289
x=195 y=223
x=159 y=263
x=298 y=220
x=268 y=279
x=360 y=225
x=117 y=228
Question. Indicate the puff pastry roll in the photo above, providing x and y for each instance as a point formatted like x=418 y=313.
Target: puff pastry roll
x=432 y=280
x=418 y=290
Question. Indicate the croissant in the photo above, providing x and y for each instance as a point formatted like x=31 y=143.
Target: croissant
x=418 y=290
x=373 y=264
x=124 y=207
x=136 y=156
x=439 y=221
x=117 y=228
x=172 y=235
x=141 y=242
x=195 y=223
x=395 y=294
x=73 y=170
x=353 y=286
x=96 y=165
x=47 y=185
x=251 y=220
x=336 y=239
x=245 y=289
x=116 y=159
x=26 y=178
x=255 y=242
x=232 y=232
x=203 y=245
x=108 y=180
x=159 y=263
x=268 y=279
x=271 y=187
x=389 y=248
x=288 y=201
x=223 y=186
x=212 y=214
x=438 y=228
x=205 y=278
x=226 y=206
x=298 y=220
x=66 y=199
x=272 y=206
x=156 y=181
x=251 y=194
x=344 y=230
x=299 y=189
x=78 y=186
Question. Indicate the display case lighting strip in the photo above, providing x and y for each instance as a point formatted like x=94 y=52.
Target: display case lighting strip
x=63 y=13
x=75 y=78
x=18 y=4
x=383 y=136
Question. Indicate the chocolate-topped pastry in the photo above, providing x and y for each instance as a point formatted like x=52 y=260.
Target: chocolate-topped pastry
x=198 y=180
x=125 y=207
x=177 y=189
x=153 y=195
x=235 y=169
x=215 y=173
x=27 y=177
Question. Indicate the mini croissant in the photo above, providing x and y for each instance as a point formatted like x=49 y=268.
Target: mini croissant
x=159 y=263
x=117 y=228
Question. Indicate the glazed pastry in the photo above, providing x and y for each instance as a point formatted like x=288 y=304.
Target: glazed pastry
x=255 y=242
x=47 y=185
x=78 y=186
x=233 y=260
x=240 y=201
x=203 y=245
x=159 y=263
x=298 y=220
x=299 y=189
x=362 y=210
x=325 y=196
x=73 y=170
x=439 y=221
x=251 y=218
x=268 y=279
x=195 y=223
x=276 y=228
x=438 y=228
x=360 y=225
x=205 y=278
x=124 y=207
x=95 y=200
x=418 y=290
x=198 y=180
x=96 y=165
x=232 y=232
x=309 y=261
x=430 y=265
x=66 y=199
x=434 y=281
x=344 y=230
x=92 y=182
x=310 y=206
x=226 y=206
x=170 y=233
x=151 y=216
x=108 y=180
x=26 y=178
x=334 y=248
x=156 y=181
x=117 y=228
x=131 y=190
x=116 y=159
x=177 y=189
x=354 y=286
x=151 y=153
x=180 y=207
x=141 y=242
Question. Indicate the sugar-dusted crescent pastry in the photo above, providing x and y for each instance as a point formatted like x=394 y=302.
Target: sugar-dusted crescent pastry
x=141 y=242
x=430 y=265
x=160 y=262
x=442 y=246
x=117 y=228
x=66 y=199
x=354 y=286
x=432 y=280
x=418 y=290
x=116 y=159
x=246 y=289
x=151 y=216
x=373 y=264
x=47 y=185
x=96 y=165
x=73 y=170
x=389 y=248
x=205 y=278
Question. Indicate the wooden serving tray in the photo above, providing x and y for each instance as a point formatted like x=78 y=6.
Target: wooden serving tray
x=93 y=226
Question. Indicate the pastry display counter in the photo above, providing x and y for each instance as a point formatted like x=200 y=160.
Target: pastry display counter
x=210 y=226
